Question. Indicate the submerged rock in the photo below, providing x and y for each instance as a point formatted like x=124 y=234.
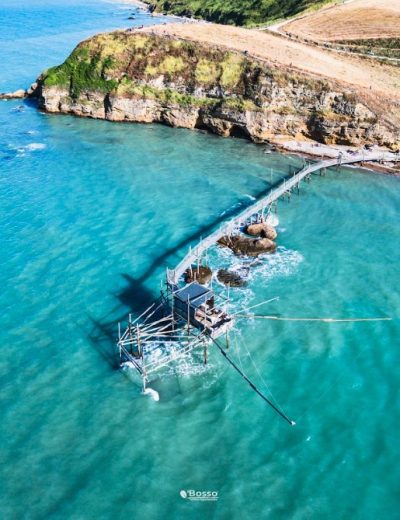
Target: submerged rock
x=202 y=274
x=263 y=230
x=248 y=246
x=231 y=278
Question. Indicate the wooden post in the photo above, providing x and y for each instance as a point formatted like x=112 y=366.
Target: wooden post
x=227 y=300
x=138 y=341
x=205 y=353
x=130 y=332
x=119 y=344
x=188 y=315
x=173 y=310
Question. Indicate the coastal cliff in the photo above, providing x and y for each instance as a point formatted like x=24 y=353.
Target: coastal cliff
x=143 y=77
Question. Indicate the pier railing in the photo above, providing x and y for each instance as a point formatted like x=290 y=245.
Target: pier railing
x=285 y=187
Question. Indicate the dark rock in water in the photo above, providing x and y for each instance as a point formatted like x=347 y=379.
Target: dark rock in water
x=231 y=278
x=131 y=17
x=17 y=94
x=227 y=241
x=202 y=275
x=248 y=246
x=263 y=230
x=32 y=89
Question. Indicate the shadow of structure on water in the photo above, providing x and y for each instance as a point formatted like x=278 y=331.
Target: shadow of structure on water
x=135 y=297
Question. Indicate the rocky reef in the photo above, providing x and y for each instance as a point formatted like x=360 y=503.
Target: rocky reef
x=143 y=77
x=262 y=229
x=201 y=274
x=242 y=245
x=231 y=278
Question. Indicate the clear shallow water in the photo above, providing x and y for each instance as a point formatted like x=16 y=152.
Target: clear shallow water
x=91 y=213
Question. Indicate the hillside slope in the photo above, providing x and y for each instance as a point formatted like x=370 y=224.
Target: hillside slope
x=235 y=12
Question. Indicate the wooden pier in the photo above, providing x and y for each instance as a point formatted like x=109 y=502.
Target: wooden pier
x=188 y=318
x=258 y=208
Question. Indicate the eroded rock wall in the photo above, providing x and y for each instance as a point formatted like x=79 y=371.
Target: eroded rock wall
x=141 y=77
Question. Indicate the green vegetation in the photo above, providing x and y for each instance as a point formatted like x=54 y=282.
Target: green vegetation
x=170 y=65
x=102 y=62
x=172 y=97
x=232 y=70
x=173 y=72
x=81 y=71
x=239 y=104
x=236 y=12
x=164 y=95
x=206 y=71
x=386 y=47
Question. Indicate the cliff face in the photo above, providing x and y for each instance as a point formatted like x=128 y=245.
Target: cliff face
x=141 y=77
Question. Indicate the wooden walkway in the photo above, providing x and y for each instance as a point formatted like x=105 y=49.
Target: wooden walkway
x=259 y=207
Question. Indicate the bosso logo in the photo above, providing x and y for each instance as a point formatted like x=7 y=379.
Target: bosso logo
x=191 y=494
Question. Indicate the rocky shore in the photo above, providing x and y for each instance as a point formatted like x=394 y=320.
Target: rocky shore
x=143 y=77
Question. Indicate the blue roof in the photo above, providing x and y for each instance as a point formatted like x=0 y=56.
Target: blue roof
x=195 y=293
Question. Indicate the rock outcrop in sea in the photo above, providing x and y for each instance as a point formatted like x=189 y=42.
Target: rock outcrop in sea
x=201 y=274
x=242 y=245
x=231 y=278
x=262 y=229
x=142 y=77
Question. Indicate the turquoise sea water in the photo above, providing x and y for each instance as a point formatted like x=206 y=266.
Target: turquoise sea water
x=90 y=215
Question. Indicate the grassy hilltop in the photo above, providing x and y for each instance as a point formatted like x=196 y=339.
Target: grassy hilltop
x=236 y=12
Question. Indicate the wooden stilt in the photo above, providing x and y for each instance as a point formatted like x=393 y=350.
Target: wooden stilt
x=138 y=341
x=188 y=316
x=205 y=353
x=130 y=331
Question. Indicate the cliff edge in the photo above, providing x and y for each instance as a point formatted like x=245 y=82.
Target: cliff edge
x=144 y=77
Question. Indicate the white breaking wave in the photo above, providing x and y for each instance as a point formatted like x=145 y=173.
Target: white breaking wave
x=152 y=393
x=283 y=262
x=256 y=272
x=34 y=146
x=23 y=150
x=272 y=220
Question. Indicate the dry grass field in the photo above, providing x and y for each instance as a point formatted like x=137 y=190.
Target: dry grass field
x=365 y=74
x=355 y=20
x=377 y=84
